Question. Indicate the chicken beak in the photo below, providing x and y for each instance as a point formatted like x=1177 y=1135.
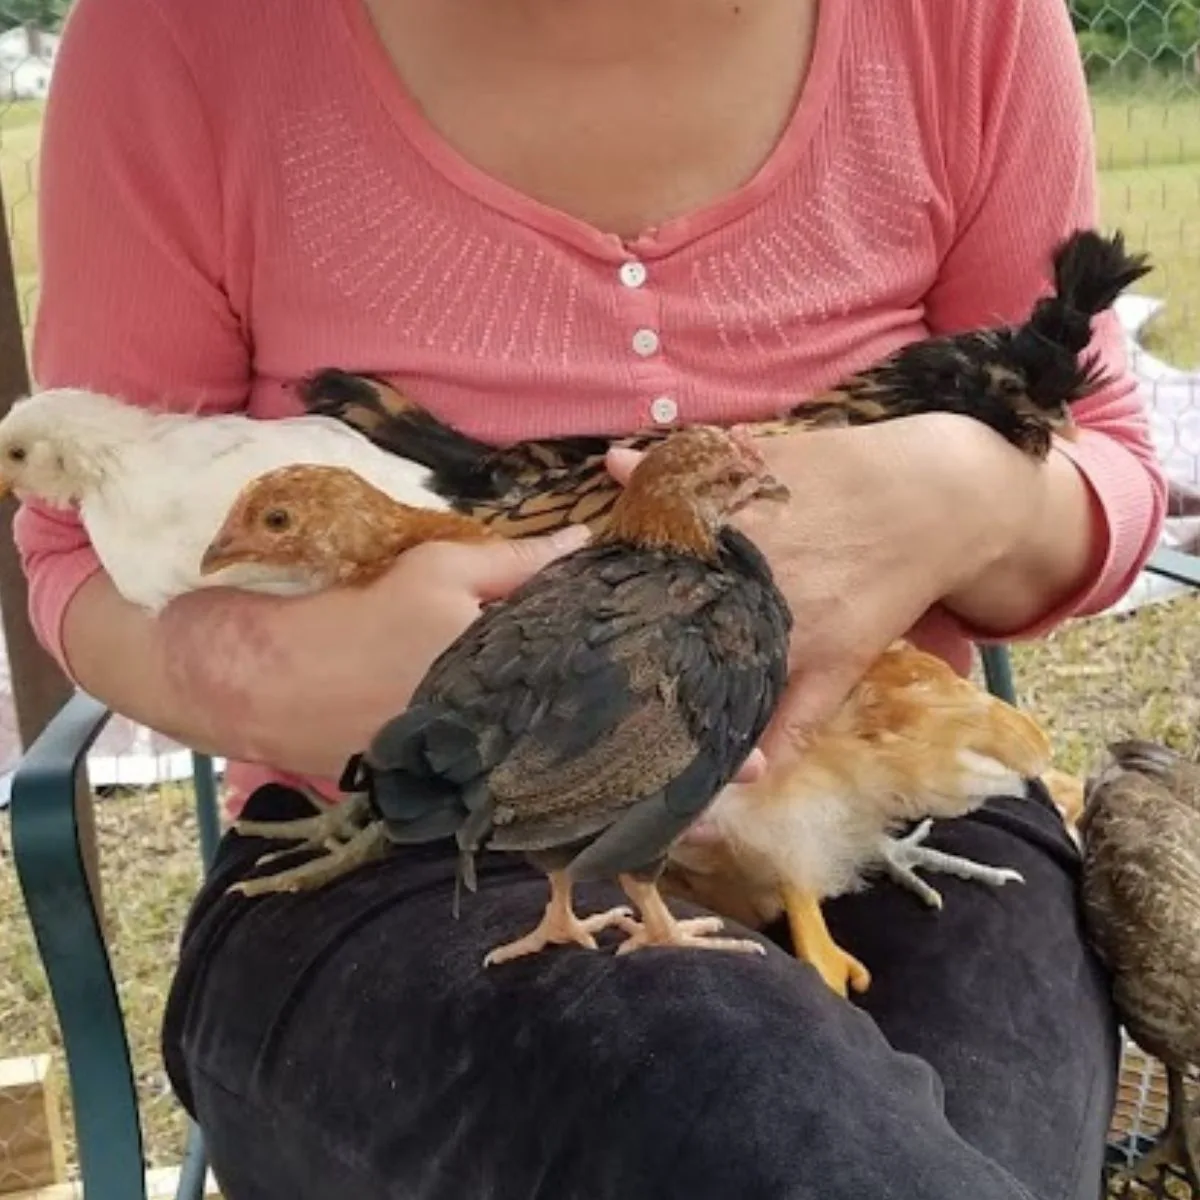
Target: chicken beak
x=222 y=552
x=6 y=488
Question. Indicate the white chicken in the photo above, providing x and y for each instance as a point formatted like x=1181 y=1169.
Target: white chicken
x=152 y=488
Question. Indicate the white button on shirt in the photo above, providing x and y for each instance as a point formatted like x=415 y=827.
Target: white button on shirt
x=664 y=410
x=645 y=342
x=633 y=274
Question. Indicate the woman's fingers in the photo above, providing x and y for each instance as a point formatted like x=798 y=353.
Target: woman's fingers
x=812 y=697
x=621 y=463
x=753 y=768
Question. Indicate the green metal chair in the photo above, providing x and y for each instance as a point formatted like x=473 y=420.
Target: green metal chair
x=58 y=897
x=70 y=940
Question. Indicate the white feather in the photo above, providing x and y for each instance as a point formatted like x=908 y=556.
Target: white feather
x=153 y=488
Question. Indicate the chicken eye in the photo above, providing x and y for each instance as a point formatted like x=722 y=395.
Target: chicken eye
x=16 y=454
x=276 y=519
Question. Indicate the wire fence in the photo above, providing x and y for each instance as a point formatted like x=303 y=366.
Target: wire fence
x=1126 y=673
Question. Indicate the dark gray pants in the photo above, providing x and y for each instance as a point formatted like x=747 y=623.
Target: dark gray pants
x=347 y=1044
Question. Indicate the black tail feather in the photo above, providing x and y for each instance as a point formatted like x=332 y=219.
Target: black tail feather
x=463 y=467
x=1090 y=272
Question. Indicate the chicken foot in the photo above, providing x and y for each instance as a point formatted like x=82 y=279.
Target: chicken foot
x=813 y=943
x=559 y=926
x=901 y=855
x=659 y=927
x=333 y=826
x=1179 y=1142
x=365 y=846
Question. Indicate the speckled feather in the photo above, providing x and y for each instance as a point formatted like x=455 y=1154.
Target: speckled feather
x=1141 y=894
x=1019 y=380
x=597 y=710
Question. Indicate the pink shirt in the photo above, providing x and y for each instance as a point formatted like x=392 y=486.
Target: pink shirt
x=234 y=195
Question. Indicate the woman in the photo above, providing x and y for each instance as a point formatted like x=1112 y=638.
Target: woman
x=544 y=218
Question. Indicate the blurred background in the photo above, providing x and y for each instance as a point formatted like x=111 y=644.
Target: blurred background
x=1130 y=671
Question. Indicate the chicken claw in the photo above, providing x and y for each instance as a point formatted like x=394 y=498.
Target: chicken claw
x=901 y=855
x=365 y=846
x=559 y=926
x=335 y=823
x=658 y=927
x=813 y=943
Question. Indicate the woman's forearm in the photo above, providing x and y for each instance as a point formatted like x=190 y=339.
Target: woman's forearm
x=224 y=672
x=190 y=673
x=1051 y=557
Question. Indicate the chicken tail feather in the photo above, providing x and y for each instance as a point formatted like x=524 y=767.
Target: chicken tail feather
x=1090 y=272
x=422 y=771
x=1148 y=758
x=463 y=468
x=1018 y=740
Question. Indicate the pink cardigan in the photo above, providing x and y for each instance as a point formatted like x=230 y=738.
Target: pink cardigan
x=260 y=198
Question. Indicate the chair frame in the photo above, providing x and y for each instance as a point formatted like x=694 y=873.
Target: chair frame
x=53 y=876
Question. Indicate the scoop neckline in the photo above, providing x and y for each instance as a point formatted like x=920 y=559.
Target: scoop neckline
x=392 y=92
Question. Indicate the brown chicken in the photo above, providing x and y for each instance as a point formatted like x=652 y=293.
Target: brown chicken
x=913 y=741
x=329 y=526
x=1141 y=904
x=590 y=717
x=286 y=517
x=1021 y=381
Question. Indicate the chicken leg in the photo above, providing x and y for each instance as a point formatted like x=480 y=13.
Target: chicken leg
x=659 y=927
x=559 y=926
x=901 y=855
x=337 y=823
x=339 y=859
x=813 y=943
x=1178 y=1142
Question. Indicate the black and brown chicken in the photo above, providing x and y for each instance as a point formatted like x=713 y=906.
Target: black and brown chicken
x=1019 y=380
x=912 y=740
x=1141 y=901
x=590 y=717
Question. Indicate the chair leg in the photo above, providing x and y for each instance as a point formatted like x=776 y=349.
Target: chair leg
x=194 y=1171
x=208 y=819
x=997 y=672
x=58 y=898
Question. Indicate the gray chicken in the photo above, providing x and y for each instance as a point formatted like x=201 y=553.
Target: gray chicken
x=1141 y=900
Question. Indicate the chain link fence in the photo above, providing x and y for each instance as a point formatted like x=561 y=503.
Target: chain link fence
x=1127 y=673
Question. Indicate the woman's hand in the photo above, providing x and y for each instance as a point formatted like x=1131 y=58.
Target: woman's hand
x=884 y=522
x=320 y=674
x=345 y=660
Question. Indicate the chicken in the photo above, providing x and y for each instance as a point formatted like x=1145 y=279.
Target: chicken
x=913 y=741
x=1019 y=380
x=1141 y=904
x=589 y=718
x=152 y=488
x=326 y=526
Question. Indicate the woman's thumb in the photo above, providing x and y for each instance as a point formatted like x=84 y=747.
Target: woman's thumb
x=621 y=463
x=508 y=563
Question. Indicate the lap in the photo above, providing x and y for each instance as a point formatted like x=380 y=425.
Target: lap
x=1000 y=993
x=351 y=1039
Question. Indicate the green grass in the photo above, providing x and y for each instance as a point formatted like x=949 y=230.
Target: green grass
x=150 y=869
x=1089 y=682
x=20 y=129
x=1148 y=149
